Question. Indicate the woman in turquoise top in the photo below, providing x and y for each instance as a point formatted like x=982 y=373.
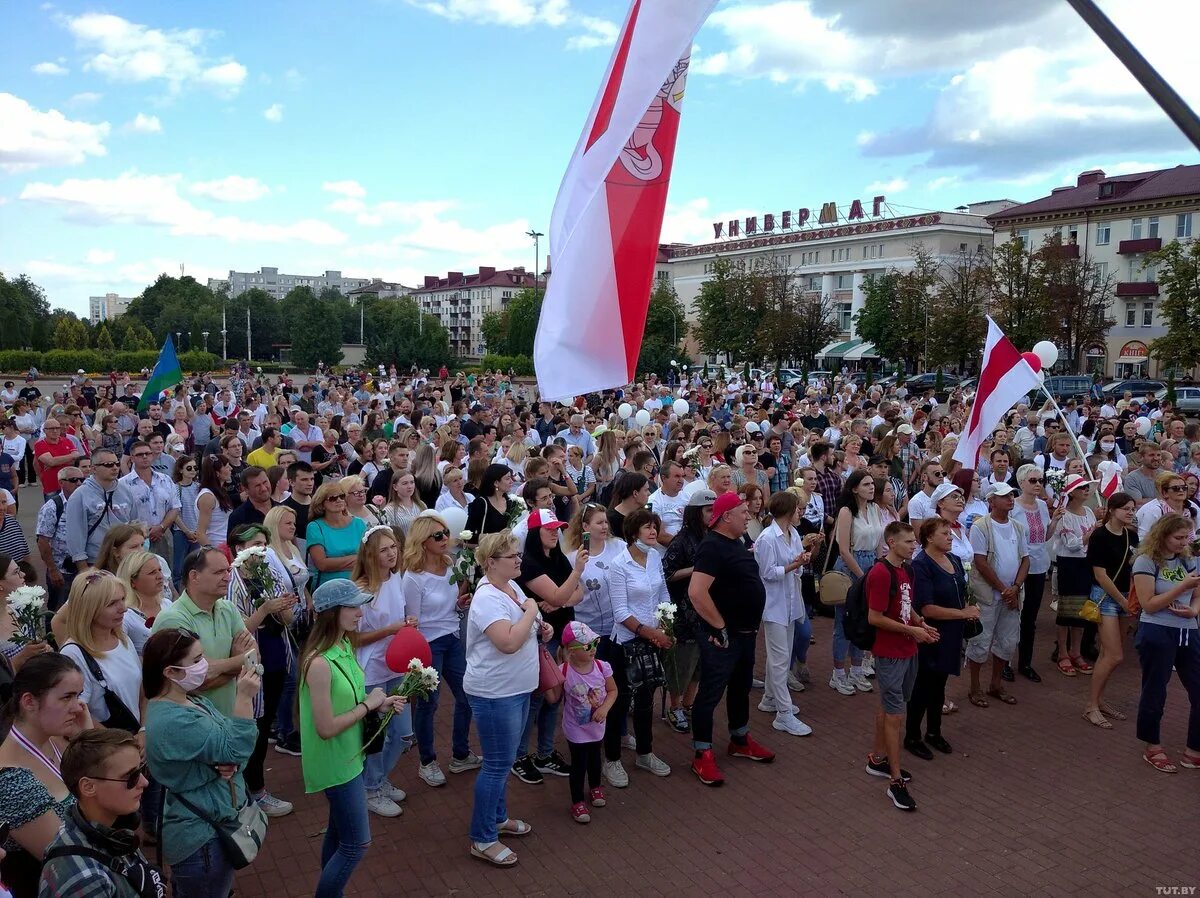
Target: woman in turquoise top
x=333 y=534
x=196 y=753
x=333 y=703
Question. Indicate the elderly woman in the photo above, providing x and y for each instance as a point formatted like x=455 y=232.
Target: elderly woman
x=1172 y=499
x=454 y=492
x=1031 y=509
x=1075 y=525
x=332 y=536
x=748 y=470
x=502 y=670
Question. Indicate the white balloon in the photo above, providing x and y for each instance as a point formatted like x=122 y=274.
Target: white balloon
x=642 y=418
x=455 y=518
x=751 y=427
x=1143 y=426
x=681 y=407
x=624 y=409
x=1047 y=352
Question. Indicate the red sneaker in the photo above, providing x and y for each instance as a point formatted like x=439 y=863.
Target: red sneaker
x=597 y=797
x=580 y=813
x=751 y=751
x=705 y=767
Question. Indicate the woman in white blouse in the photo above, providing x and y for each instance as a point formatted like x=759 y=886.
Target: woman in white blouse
x=454 y=493
x=637 y=587
x=780 y=555
x=436 y=603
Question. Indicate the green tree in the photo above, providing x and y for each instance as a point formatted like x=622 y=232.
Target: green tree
x=524 y=309
x=873 y=322
x=792 y=325
x=665 y=330
x=726 y=320
x=1019 y=302
x=494 y=328
x=266 y=324
x=316 y=334
x=957 y=320
x=24 y=311
x=70 y=332
x=393 y=335
x=1178 y=277
x=103 y=339
x=1079 y=297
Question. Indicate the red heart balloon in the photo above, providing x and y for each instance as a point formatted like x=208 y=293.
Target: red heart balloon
x=1034 y=362
x=406 y=645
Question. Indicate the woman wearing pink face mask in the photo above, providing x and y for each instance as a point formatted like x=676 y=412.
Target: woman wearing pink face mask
x=195 y=752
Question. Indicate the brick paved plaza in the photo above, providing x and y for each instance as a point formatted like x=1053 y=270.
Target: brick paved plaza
x=1033 y=801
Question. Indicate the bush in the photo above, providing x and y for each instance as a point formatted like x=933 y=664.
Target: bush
x=520 y=364
x=131 y=361
x=19 y=360
x=68 y=361
x=196 y=360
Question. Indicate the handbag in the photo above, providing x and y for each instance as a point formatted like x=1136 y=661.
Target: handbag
x=972 y=627
x=372 y=724
x=241 y=837
x=834 y=585
x=550 y=676
x=119 y=715
x=642 y=666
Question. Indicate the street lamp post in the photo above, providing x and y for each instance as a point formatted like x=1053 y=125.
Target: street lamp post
x=204 y=334
x=179 y=340
x=537 y=256
x=224 y=342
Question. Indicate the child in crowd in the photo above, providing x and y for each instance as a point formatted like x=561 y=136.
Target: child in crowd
x=589 y=692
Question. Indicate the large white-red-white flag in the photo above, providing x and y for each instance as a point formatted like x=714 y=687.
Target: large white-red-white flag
x=1004 y=379
x=604 y=230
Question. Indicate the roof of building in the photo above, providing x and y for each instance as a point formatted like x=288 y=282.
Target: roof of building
x=1095 y=190
x=485 y=277
x=376 y=285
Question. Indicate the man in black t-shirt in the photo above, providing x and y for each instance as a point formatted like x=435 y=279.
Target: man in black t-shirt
x=729 y=596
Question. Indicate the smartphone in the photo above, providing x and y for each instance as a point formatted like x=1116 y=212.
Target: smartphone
x=248 y=660
x=587 y=542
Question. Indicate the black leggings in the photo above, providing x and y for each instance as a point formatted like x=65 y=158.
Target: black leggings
x=585 y=758
x=1035 y=588
x=929 y=694
x=643 y=711
x=272 y=684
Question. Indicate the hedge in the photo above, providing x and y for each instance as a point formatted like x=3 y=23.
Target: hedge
x=68 y=361
x=520 y=364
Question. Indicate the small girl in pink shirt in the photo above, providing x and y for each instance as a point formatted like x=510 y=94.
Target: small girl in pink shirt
x=589 y=692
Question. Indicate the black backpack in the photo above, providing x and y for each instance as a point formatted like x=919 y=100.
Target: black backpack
x=855 y=613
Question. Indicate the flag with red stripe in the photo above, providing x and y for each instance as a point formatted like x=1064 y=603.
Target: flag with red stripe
x=604 y=231
x=1003 y=381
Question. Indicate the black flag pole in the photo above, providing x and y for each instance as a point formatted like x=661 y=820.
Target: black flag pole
x=1171 y=103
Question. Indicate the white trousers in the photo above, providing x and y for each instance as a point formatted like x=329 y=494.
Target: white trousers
x=778 y=639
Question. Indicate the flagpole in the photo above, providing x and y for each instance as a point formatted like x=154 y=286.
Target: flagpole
x=1070 y=432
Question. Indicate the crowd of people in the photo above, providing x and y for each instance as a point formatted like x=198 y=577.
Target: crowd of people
x=227 y=565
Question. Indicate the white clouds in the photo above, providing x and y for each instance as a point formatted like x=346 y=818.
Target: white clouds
x=99 y=256
x=274 y=112
x=31 y=138
x=692 y=221
x=86 y=98
x=49 y=68
x=597 y=32
x=231 y=189
x=154 y=201
x=895 y=185
x=126 y=51
x=145 y=124
x=345 y=188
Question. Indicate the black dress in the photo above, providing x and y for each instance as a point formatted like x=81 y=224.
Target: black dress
x=482 y=518
x=934 y=586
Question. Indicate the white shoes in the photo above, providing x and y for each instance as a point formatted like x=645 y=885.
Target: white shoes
x=868 y=666
x=627 y=741
x=461 y=765
x=653 y=763
x=860 y=681
x=790 y=723
x=768 y=705
x=841 y=684
x=380 y=804
x=432 y=774
x=615 y=773
x=794 y=683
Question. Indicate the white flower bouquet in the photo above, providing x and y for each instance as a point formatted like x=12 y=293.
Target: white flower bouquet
x=252 y=567
x=516 y=508
x=418 y=682
x=1056 y=479
x=465 y=569
x=664 y=617
x=27 y=607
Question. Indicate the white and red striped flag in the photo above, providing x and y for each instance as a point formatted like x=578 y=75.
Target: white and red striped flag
x=604 y=230
x=1004 y=379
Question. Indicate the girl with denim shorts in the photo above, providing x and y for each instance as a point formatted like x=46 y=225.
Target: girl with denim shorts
x=1110 y=552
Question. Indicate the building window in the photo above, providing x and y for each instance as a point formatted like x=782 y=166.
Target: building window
x=1130 y=314
x=1147 y=314
x=1101 y=272
x=844 y=316
x=1023 y=236
x=1183 y=225
x=1103 y=234
x=1152 y=221
x=844 y=281
x=1135 y=229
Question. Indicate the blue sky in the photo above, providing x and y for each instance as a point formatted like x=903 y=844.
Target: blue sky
x=398 y=138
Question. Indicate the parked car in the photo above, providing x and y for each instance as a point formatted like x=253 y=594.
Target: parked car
x=1068 y=386
x=928 y=380
x=1187 y=399
x=1139 y=388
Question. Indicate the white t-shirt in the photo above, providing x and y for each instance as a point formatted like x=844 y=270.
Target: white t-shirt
x=122 y=672
x=387 y=608
x=920 y=507
x=15 y=447
x=433 y=601
x=1005 y=557
x=670 y=509
x=492 y=673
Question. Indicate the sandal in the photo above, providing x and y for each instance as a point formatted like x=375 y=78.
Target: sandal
x=949 y=707
x=498 y=854
x=1109 y=711
x=512 y=827
x=977 y=699
x=1082 y=665
x=1097 y=719
x=1001 y=695
x=1065 y=666
x=1159 y=761
x=1191 y=762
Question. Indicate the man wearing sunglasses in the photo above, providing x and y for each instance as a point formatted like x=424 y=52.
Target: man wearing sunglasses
x=51 y=533
x=96 y=851
x=98 y=503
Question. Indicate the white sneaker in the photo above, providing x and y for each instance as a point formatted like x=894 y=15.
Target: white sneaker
x=380 y=804
x=794 y=683
x=274 y=807
x=768 y=705
x=790 y=723
x=841 y=684
x=756 y=683
x=615 y=774
x=861 y=683
x=432 y=774
x=461 y=765
x=868 y=666
x=653 y=763
x=395 y=793
x=627 y=741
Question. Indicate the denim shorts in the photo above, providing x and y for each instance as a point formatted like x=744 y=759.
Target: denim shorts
x=1108 y=605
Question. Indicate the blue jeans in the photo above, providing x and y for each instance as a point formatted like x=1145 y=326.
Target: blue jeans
x=206 y=873
x=841 y=645
x=182 y=546
x=803 y=631
x=346 y=839
x=1163 y=650
x=544 y=714
x=500 y=723
x=449 y=660
x=285 y=717
x=396 y=741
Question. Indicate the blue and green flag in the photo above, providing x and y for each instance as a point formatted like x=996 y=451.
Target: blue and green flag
x=166 y=375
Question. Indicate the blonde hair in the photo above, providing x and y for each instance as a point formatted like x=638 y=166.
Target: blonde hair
x=1153 y=544
x=117 y=534
x=573 y=536
x=367 y=573
x=420 y=530
x=493 y=546
x=744 y=452
x=1163 y=480
x=285 y=551
x=89 y=593
x=329 y=489
x=131 y=567
x=517 y=452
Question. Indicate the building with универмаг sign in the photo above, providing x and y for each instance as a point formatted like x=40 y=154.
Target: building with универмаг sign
x=1115 y=221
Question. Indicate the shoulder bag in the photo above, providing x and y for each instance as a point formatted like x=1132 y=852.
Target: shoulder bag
x=833 y=585
x=642 y=666
x=242 y=836
x=372 y=722
x=978 y=588
x=119 y=715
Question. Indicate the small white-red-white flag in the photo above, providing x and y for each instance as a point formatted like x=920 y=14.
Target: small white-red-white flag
x=1003 y=380
x=1109 y=473
x=607 y=219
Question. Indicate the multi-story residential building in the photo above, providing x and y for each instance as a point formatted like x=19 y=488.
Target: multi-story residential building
x=110 y=305
x=1114 y=222
x=461 y=300
x=278 y=285
x=379 y=288
x=831 y=256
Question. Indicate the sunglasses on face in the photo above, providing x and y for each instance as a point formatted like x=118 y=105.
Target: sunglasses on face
x=106 y=464
x=440 y=534
x=71 y=479
x=130 y=779
x=1034 y=480
x=587 y=646
x=1177 y=488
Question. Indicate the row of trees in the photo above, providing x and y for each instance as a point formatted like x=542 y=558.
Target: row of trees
x=1178 y=277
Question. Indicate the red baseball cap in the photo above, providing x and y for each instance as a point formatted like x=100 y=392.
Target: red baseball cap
x=544 y=517
x=725 y=502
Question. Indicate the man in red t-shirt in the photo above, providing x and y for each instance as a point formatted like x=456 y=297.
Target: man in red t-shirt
x=54 y=451
x=898 y=629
